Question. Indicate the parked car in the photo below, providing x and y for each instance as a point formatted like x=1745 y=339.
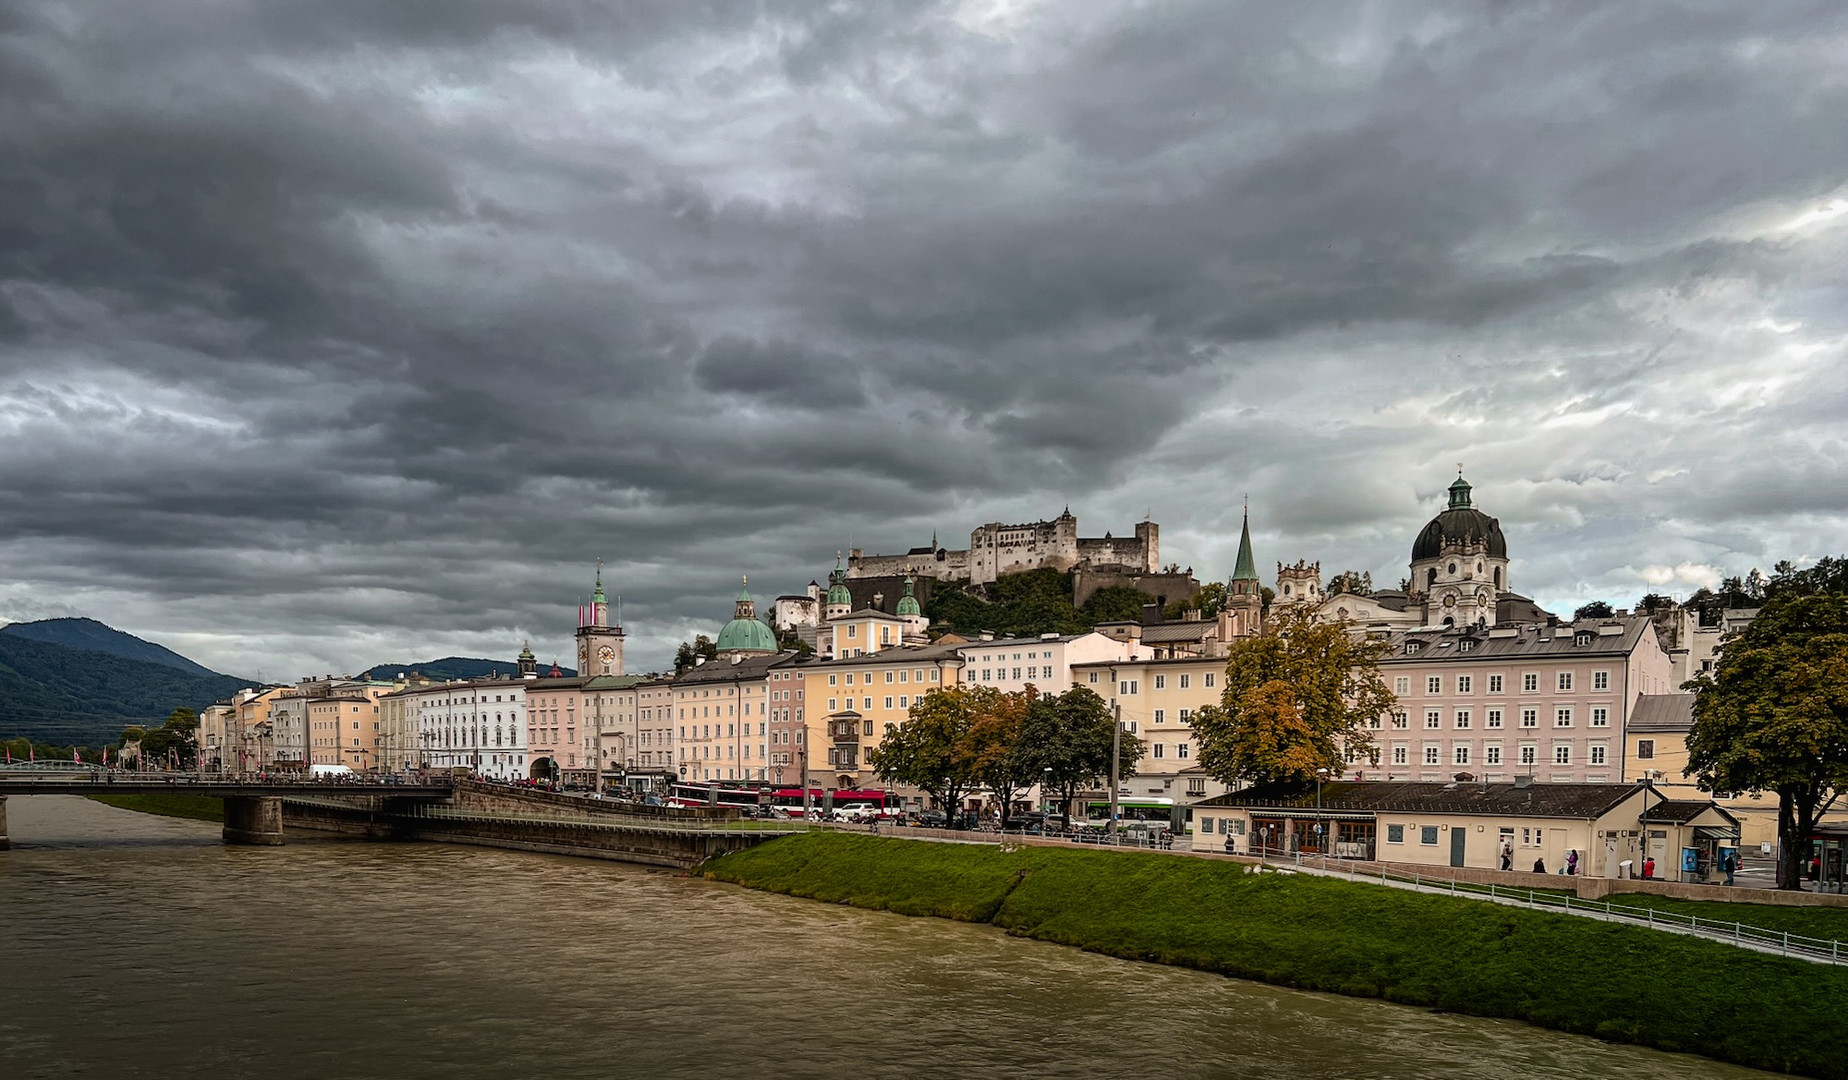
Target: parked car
x=933 y=819
x=857 y=813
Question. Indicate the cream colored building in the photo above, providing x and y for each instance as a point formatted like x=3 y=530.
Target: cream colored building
x=1044 y=662
x=1514 y=826
x=852 y=702
x=722 y=718
x=1156 y=700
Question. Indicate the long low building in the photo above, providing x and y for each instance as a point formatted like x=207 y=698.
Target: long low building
x=1513 y=826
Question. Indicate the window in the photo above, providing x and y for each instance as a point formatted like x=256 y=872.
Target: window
x=1465 y=683
x=1399 y=719
x=888 y=676
x=1597 y=755
x=1529 y=754
x=1600 y=716
x=1373 y=723
x=1093 y=676
x=1196 y=785
x=1491 y=755
x=1462 y=718
x=904 y=701
x=1562 y=717
x=1432 y=755
x=1427 y=835
x=1492 y=718
x=831 y=705
x=986 y=672
x=1395 y=834
x=1495 y=684
x=1158 y=749
x=830 y=680
x=1645 y=749
x=1434 y=684
x=1530 y=717
x=1600 y=680
x=1161 y=716
x=888 y=701
x=1562 y=754
x=1207 y=680
x=1187 y=714
x=1180 y=751
x=1402 y=685
x=1127 y=687
x=1565 y=681
x=1161 y=682
x=1530 y=682
x=933 y=674
x=1433 y=717
x=1461 y=755
x=1398 y=755
x=1185 y=680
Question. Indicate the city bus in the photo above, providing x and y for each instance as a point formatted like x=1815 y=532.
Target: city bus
x=1156 y=813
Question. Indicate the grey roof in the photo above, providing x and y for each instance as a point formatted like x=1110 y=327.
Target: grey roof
x=894 y=653
x=1681 y=811
x=1533 y=642
x=1011 y=641
x=1585 y=801
x=1663 y=712
x=723 y=671
x=1181 y=631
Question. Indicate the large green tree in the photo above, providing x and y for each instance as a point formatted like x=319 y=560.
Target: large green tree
x=1066 y=741
x=995 y=746
x=175 y=742
x=1296 y=698
x=931 y=749
x=1773 y=716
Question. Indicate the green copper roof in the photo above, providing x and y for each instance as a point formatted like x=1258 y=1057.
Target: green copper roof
x=746 y=635
x=1459 y=494
x=1246 y=569
x=837 y=585
x=908 y=604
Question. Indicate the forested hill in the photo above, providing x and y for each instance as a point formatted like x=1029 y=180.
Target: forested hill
x=98 y=637
x=455 y=667
x=1028 y=604
x=57 y=694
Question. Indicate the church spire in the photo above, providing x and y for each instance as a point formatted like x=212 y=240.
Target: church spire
x=1246 y=569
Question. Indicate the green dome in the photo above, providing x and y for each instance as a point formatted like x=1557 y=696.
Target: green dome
x=837 y=585
x=746 y=632
x=908 y=604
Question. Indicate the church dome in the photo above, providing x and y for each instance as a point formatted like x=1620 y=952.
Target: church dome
x=908 y=603
x=746 y=632
x=1459 y=524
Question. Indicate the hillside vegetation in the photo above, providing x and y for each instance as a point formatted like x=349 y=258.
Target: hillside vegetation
x=56 y=694
x=1615 y=982
x=1029 y=604
x=97 y=637
x=455 y=667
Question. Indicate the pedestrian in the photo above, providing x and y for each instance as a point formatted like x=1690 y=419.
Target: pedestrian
x=1507 y=856
x=1729 y=862
x=1572 y=862
x=1231 y=845
x=1540 y=865
x=1649 y=868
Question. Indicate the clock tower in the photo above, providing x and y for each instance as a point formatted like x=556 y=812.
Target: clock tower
x=599 y=642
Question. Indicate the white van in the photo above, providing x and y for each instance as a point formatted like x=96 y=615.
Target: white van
x=331 y=772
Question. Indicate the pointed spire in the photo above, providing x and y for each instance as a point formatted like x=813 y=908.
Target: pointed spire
x=1246 y=569
x=597 y=597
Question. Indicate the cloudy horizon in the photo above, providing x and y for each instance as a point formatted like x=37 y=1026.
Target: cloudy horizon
x=335 y=333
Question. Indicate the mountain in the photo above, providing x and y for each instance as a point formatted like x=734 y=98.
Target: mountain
x=454 y=667
x=58 y=694
x=96 y=637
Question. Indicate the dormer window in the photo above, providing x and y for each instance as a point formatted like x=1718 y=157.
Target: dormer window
x=1465 y=645
x=1583 y=638
x=1412 y=647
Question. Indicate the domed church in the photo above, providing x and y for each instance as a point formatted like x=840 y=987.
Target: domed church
x=1459 y=577
x=746 y=634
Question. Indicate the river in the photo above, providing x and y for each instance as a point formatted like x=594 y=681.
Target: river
x=134 y=946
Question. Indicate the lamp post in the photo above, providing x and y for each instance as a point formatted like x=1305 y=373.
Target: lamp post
x=1320 y=775
x=1116 y=754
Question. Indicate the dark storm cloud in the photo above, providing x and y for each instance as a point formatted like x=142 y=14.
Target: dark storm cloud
x=336 y=331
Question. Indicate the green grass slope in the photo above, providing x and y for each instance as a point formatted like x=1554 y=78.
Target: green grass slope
x=1614 y=982
x=196 y=807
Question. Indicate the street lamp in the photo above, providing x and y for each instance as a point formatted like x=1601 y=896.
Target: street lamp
x=1320 y=775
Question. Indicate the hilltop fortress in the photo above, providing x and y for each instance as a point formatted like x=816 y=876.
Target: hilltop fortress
x=995 y=549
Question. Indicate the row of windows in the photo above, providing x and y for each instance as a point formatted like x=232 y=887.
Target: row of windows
x=1125 y=687
x=1463 y=754
x=994 y=674
x=1530 y=683
x=917 y=675
x=1492 y=718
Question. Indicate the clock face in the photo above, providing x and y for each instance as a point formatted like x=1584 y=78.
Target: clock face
x=606 y=654
x=1450 y=599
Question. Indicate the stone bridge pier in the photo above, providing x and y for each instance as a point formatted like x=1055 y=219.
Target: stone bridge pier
x=253 y=819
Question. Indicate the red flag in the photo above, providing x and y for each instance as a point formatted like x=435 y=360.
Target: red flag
x=31 y=754
x=76 y=755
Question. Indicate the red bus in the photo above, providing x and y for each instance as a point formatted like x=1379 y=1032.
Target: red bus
x=692 y=795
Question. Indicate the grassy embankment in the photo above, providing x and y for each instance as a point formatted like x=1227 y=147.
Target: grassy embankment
x=197 y=807
x=1621 y=983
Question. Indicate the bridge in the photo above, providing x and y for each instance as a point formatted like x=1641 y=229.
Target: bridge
x=456 y=811
x=253 y=807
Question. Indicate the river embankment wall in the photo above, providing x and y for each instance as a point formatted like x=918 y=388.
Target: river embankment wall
x=1609 y=981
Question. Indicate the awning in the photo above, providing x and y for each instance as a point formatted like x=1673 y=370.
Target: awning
x=1715 y=832
x=1300 y=815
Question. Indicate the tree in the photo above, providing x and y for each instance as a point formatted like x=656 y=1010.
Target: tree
x=931 y=749
x=994 y=746
x=1597 y=609
x=1773 y=716
x=1114 y=603
x=1357 y=582
x=1296 y=697
x=1207 y=601
x=1066 y=741
x=688 y=655
x=174 y=742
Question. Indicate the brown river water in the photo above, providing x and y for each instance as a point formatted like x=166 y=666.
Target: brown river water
x=134 y=946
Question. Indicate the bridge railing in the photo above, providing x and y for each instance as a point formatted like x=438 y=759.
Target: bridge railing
x=607 y=820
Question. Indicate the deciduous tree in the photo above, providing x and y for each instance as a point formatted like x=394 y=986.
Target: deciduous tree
x=1296 y=697
x=995 y=745
x=1773 y=716
x=1067 y=738
x=1597 y=609
x=931 y=749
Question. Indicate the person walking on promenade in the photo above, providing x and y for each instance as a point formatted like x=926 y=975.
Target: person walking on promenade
x=1507 y=856
x=1540 y=865
x=1571 y=862
x=1649 y=868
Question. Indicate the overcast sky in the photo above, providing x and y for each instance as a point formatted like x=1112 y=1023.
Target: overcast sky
x=341 y=332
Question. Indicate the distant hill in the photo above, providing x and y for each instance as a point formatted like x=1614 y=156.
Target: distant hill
x=454 y=667
x=96 y=637
x=58 y=694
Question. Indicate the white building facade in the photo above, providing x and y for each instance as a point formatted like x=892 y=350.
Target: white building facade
x=475 y=724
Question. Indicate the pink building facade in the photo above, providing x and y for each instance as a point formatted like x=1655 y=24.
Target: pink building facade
x=1550 y=701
